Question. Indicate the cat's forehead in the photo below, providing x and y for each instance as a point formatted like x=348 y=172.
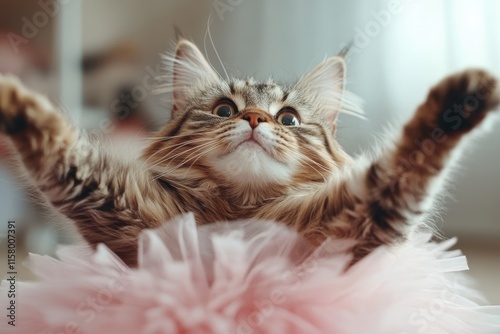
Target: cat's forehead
x=250 y=93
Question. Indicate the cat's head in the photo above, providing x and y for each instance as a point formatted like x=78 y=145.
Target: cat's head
x=248 y=135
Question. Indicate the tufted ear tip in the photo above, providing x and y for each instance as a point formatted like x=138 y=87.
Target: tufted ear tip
x=178 y=33
x=345 y=51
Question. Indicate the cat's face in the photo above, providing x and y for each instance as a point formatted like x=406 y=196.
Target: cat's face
x=250 y=135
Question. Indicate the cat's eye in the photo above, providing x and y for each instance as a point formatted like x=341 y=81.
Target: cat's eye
x=288 y=117
x=225 y=109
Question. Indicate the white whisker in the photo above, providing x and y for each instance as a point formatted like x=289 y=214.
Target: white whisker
x=213 y=46
x=205 y=46
x=177 y=146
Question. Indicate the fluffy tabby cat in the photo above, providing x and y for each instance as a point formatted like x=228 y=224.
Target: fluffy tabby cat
x=241 y=149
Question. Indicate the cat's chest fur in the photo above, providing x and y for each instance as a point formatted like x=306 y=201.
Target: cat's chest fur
x=212 y=200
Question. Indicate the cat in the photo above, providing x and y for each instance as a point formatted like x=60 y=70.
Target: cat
x=237 y=149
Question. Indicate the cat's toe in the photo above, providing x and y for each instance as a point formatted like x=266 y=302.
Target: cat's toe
x=463 y=100
x=11 y=92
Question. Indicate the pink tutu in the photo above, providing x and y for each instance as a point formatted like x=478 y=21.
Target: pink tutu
x=250 y=277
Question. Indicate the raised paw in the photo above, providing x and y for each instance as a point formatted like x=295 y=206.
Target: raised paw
x=462 y=101
x=18 y=105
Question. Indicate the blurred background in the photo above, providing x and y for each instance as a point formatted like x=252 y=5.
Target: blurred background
x=98 y=60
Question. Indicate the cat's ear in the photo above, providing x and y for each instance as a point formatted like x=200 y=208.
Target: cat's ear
x=326 y=84
x=189 y=68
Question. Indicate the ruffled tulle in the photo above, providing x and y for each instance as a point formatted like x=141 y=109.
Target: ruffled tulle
x=250 y=277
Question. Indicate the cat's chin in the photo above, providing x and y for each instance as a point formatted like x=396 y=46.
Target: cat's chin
x=251 y=145
x=251 y=163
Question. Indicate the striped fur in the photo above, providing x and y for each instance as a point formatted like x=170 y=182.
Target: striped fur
x=206 y=164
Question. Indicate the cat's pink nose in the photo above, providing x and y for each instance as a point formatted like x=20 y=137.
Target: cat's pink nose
x=254 y=118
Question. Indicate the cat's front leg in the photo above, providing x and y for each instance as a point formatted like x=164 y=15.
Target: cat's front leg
x=110 y=200
x=392 y=194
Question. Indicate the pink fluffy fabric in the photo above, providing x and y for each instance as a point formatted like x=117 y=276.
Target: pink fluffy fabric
x=250 y=277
